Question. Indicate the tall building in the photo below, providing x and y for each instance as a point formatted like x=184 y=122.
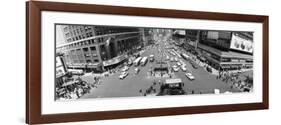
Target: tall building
x=226 y=50
x=95 y=48
x=222 y=49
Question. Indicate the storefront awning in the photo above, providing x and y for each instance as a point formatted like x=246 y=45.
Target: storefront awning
x=114 y=60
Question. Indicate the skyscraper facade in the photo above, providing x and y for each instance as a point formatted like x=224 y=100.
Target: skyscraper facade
x=95 y=48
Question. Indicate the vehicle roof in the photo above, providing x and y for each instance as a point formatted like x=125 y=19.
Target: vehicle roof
x=172 y=81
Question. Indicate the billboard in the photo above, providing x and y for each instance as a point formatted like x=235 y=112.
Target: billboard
x=60 y=67
x=241 y=44
x=60 y=71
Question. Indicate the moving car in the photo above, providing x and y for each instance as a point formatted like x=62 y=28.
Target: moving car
x=125 y=68
x=130 y=62
x=175 y=68
x=194 y=65
x=137 y=70
x=151 y=58
x=144 y=61
x=183 y=68
x=167 y=58
x=189 y=76
x=176 y=59
x=172 y=59
x=123 y=75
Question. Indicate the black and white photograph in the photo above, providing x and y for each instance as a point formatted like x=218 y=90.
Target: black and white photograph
x=103 y=61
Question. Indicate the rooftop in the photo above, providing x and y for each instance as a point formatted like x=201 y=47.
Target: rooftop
x=230 y=53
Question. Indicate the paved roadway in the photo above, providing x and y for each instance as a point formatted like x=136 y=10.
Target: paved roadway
x=112 y=86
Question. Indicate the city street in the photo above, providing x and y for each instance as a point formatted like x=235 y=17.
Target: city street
x=135 y=84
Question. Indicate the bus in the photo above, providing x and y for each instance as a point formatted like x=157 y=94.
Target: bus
x=185 y=56
x=137 y=61
x=76 y=71
x=144 y=61
x=176 y=53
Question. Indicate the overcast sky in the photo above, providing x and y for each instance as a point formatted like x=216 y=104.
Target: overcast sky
x=59 y=35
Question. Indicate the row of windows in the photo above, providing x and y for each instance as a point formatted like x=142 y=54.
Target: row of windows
x=73 y=30
x=76 y=28
x=79 y=44
x=81 y=32
x=73 y=33
x=82 y=61
x=85 y=50
x=78 y=58
x=110 y=30
x=78 y=36
x=235 y=60
x=223 y=59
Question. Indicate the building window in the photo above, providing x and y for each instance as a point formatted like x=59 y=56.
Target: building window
x=93 y=48
x=85 y=49
x=67 y=35
x=225 y=59
x=77 y=30
x=96 y=60
x=65 y=29
x=87 y=55
x=74 y=33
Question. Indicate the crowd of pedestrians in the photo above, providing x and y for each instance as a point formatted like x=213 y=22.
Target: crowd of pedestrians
x=235 y=80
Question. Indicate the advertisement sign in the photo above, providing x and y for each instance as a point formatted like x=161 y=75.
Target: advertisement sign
x=58 y=62
x=241 y=44
x=60 y=70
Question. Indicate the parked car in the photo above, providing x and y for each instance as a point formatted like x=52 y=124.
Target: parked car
x=209 y=69
x=178 y=63
x=123 y=75
x=189 y=76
